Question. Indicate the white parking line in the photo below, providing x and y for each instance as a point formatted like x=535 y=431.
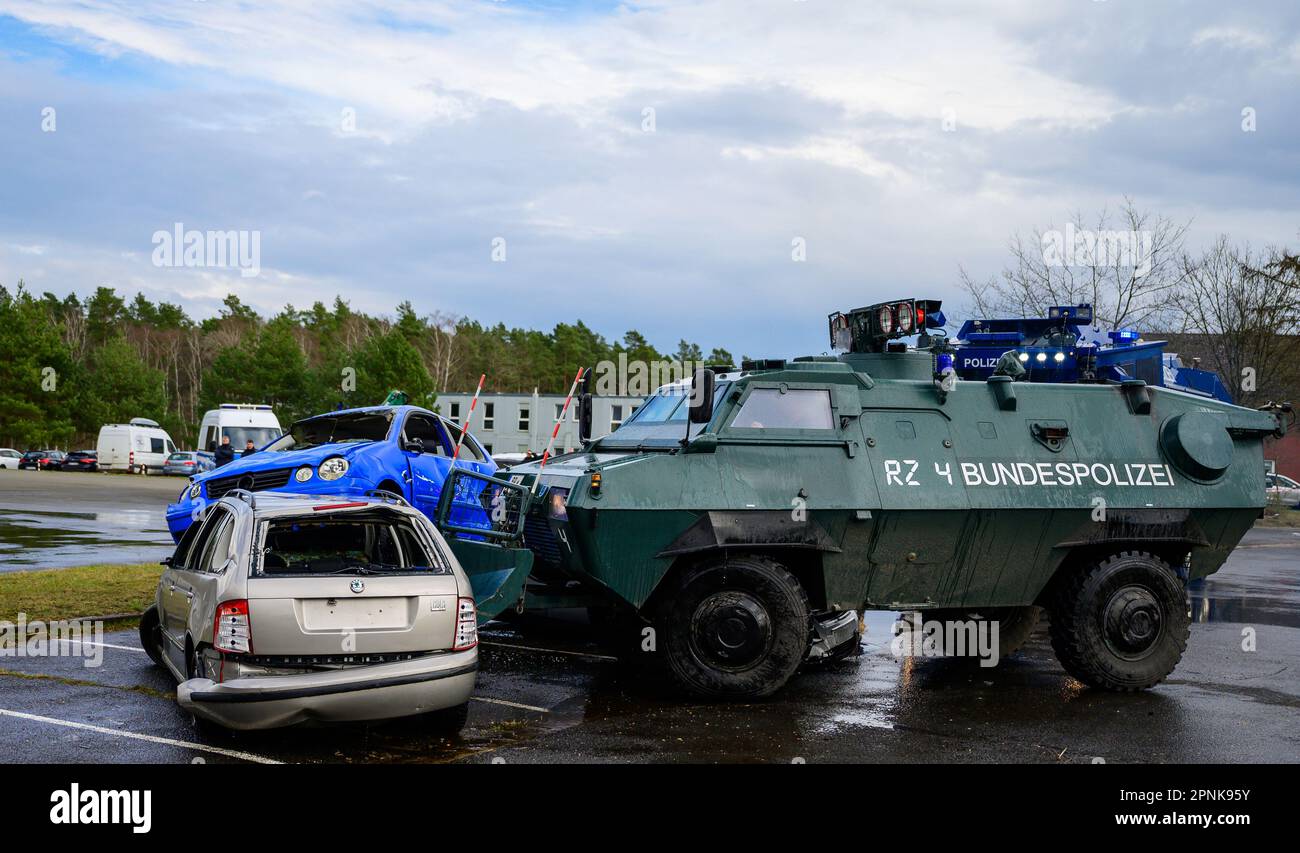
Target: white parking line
x=510 y=704
x=103 y=645
x=229 y=753
x=608 y=658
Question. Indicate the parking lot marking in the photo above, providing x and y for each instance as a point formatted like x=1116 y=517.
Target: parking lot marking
x=104 y=645
x=229 y=753
x=606 y=658
x=510 y=704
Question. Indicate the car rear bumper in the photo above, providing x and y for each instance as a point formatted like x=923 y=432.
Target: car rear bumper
x=377 y=692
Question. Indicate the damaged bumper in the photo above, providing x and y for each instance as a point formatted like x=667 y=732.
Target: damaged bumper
x=377 y=692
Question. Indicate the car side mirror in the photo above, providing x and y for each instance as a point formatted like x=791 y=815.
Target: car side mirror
x=212 y=447
x=415 y=445
x=165 y=561
x=702 y=385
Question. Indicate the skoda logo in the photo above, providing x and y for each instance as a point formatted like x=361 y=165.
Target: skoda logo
x=358 y=585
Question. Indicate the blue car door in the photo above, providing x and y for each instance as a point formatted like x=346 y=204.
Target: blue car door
x=428 y=459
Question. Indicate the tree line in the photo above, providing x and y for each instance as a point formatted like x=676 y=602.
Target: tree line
x=69 y=365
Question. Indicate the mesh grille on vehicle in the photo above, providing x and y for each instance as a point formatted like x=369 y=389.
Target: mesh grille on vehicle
x=252 y=481
x=479 y=503
x=540 y=539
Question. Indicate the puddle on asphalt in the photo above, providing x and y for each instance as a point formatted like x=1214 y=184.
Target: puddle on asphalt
x=39 y=539
x=1210 y=603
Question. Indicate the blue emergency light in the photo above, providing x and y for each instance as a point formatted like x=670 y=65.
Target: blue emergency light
x=1123 y=336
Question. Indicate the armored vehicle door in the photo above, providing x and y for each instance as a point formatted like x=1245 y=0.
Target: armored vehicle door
x=917 y=542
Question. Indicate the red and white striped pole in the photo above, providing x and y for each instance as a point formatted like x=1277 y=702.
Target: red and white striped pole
x=465 y=426
x=558 y=422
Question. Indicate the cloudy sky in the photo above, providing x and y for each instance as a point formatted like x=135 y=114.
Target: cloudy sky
x=647 y=164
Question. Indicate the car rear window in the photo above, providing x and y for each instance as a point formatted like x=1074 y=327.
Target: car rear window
x=178 y=457
x=346 y=543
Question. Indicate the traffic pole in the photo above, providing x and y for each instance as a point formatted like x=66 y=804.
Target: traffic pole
x=556 y=431
x=464 y=428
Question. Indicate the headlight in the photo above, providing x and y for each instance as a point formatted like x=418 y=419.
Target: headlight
x=333 y=468
x=196 y=490
x=303 y=474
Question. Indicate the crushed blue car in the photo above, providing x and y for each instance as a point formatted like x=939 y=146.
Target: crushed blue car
x=399 y=450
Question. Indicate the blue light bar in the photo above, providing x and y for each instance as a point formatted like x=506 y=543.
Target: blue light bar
x=1123 y=336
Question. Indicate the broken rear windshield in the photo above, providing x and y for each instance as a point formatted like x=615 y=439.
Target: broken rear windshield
x=346 y=544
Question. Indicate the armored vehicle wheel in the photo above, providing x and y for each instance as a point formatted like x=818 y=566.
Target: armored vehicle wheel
x=736 y=628
x=1122 y=623
x=1015 y=624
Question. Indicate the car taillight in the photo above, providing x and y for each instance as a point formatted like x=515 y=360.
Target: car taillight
x=130 y=459
x=189 y=462
x=466 y=625
x=232 y=631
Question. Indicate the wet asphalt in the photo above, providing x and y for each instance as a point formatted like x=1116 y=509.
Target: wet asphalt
x=549 y=692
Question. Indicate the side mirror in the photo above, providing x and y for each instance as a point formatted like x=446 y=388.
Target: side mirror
x=701 y=401
x=212 y=447
x=165 y=561
x=584 y=418
x=415 y=445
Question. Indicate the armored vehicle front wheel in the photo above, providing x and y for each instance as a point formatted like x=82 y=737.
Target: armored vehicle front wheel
x=1122 y=623
x=736 y=628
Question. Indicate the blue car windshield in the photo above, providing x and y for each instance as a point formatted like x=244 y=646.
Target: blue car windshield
x=334 y=429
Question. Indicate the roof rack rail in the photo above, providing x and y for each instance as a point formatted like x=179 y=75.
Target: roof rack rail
x=244 y=495
x=387 y=497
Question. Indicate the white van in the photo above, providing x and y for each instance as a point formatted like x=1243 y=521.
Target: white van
x=240 y=421
x=140 y=447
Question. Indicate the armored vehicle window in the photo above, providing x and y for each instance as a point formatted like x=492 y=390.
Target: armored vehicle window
x=659 y=407
x=773 y=408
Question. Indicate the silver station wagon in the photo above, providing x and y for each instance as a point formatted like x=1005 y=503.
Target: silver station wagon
x=281 y=609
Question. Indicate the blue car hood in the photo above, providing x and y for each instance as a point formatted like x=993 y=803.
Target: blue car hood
x=271 y=460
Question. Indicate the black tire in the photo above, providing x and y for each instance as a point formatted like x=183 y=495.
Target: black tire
x=449 y=721
x=1015 y=624
x=735 y=629
x=151 y=635
x=1122 y=623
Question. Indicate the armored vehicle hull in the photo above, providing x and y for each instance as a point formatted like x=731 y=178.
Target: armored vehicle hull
x=829 y=485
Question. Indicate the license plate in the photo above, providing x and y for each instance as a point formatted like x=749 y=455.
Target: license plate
x=326 y=614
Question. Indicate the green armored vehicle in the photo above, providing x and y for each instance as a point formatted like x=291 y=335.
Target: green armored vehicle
x=742 y=521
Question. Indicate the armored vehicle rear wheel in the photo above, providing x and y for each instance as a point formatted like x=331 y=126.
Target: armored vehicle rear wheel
x=1122 y=623
x=736 y=628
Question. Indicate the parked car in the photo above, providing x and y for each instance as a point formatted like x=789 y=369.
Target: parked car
x=1282 y=489
x=42 y=460
x=80 y=460
x=278 y=609
x=187 y=463
x=9 y=458
x=405 y=450
x=138 y=447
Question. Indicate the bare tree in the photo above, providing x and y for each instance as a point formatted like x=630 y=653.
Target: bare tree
x=1244 y=310
x=445 y=350
x=1126 y=267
